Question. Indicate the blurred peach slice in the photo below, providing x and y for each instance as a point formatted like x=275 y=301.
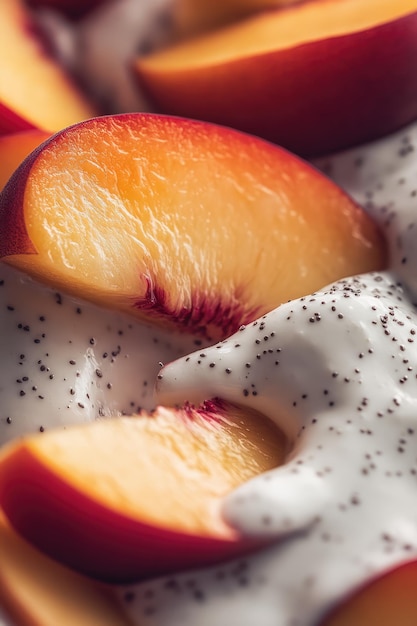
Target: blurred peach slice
x=35 y=591
x=385 y=601
x=191 y=17
x=179 y=222
x=34 y=91
x=316 y=77
x=14 y=148
x=131 y=498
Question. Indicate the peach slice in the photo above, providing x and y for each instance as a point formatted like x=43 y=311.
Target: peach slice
x=135 y=497
x=193 y=16
x=315 y=77
x=15 y=148
x=36 y=591
x=182 y=222
x=388 y=600
x=72 y=8
x=34 y=91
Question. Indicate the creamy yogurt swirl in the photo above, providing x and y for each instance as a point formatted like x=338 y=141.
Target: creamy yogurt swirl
x=65 y=361
x=337 y=371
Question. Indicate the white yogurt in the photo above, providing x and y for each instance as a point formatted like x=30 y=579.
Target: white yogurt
x=337 y=371
x=65 y=361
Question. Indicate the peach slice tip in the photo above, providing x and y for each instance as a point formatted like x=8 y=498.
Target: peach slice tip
x=131 y=498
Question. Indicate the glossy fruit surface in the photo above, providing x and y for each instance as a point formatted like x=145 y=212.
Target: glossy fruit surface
x=194 y=16
x=14 y=148
x=317 y=77
x=180 y=222
x=35 y=92
x=388 y=600
x=130 y=498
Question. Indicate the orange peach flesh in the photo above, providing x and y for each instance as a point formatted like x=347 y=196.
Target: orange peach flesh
x=134 y=497
x=177 y=463
x=193 y=16
x=279 y=30
x=33 y=87
x=15 y=148
x=39 y=592
x=386 y=601
x=311 y=77
x=182 y=222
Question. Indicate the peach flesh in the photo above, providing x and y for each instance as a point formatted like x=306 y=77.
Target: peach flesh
x=38 y=592
x=311 y=77
x=14 y=148
x=258 y=225
x=34 y=91
x=126 y=499
x=386 y=601
x=193 y=16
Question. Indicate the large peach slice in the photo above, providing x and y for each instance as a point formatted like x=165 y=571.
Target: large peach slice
x=315 y=77
x=133 y=497
x=34 y=90
x=36 y=591
x=197 y=226
x=14 y=148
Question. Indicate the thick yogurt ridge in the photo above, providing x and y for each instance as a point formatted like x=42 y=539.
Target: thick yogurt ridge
x=337 y=371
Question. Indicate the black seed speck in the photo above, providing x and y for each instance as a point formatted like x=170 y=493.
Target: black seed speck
x=129 y=596
x=198 y=595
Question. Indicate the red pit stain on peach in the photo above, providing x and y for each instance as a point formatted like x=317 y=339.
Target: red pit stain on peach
x=41 y=94
x=202 y=318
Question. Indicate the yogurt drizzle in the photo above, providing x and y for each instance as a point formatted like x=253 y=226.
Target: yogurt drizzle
x=337 y=371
